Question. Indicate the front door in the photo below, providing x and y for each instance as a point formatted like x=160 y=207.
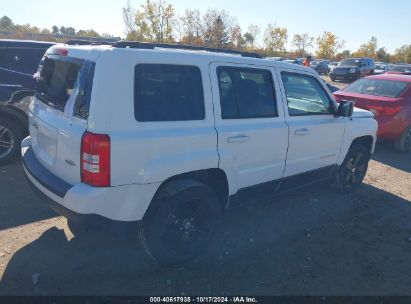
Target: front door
x=315 y=134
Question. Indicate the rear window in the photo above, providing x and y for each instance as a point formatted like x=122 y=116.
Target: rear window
x=350 y=62
x=401 y=68
x=378 y=87
x=56 y=79
x=168 y=93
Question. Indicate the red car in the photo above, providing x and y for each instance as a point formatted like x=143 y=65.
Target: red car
x=388 y=96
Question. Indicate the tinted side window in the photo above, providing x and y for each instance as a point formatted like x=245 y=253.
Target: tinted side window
x=85 y=85
x=305 y=95
x=168 y=93
x=246 y=93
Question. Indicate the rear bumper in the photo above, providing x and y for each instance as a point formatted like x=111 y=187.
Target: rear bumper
x=390 y=128
x=82 y=202
x=348 y=76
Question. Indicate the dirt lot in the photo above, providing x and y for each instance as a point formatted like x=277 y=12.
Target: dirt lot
x=312 y=242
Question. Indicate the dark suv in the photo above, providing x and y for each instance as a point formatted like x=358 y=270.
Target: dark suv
x=19 y=60
x=351 y=69
x=321 y=67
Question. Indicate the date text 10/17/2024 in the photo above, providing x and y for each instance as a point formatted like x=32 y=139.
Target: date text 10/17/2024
x=203 y=300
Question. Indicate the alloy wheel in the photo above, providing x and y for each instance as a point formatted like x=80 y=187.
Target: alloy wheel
x=6 y=141
x=407 y=141
x=355 y=170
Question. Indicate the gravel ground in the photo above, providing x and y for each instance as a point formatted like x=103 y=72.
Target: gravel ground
x=311 y=242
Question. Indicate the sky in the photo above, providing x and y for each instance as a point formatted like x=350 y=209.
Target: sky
x=355 y=21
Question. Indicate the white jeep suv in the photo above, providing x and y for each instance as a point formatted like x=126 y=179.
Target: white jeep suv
x=169 y=136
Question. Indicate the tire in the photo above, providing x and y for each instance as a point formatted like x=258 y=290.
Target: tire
x=404 y=143
x=11 y=135
x=351 y=173
x=332 y=78
x=180 y=222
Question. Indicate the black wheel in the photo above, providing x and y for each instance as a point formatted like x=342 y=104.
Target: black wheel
x=351 y=173
x=180 y=222
x=11 y=136
x=404 y=143
x=332 y=78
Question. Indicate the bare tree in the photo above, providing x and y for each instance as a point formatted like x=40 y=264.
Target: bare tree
x=129 y=15
x=191 y=27
x=302 y=42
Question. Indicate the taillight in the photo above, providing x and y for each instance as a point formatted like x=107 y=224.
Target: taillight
x=60 y=51
x=95 y=159
x=384 y=110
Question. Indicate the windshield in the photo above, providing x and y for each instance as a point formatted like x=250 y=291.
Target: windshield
x=401 y=68
x=378 y=87
x=380 y=67
x=350 y=62
x=55 y=81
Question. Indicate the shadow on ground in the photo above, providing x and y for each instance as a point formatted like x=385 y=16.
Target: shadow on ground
x=313 y=242
x=19 y=205
x=386 y=154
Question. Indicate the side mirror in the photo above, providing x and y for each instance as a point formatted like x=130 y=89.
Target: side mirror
x=345 y=108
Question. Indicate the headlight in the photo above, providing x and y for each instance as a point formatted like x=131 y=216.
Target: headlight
x=352 y=70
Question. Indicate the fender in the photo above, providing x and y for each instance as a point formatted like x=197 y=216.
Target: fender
x=356 y=128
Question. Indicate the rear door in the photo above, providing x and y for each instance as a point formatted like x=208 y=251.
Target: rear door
x=252 y=133
x=58 y=115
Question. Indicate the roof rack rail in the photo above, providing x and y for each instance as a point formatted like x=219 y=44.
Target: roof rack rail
x=150 y=46
x=89 y=42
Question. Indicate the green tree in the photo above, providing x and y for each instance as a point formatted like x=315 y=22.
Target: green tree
x=87 y=33
x=154 y=21
x=6 y=24
x=342 y=55
x=403 y=54
x=275 y=39
x=249 y=39
x=328 y=45
x=55 y=30
x=382 y=55
x=218 y=28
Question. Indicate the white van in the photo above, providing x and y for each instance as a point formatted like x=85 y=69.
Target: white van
x=172 y=135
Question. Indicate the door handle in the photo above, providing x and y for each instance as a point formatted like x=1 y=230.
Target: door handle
x=238 y=139
x=301 y=132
